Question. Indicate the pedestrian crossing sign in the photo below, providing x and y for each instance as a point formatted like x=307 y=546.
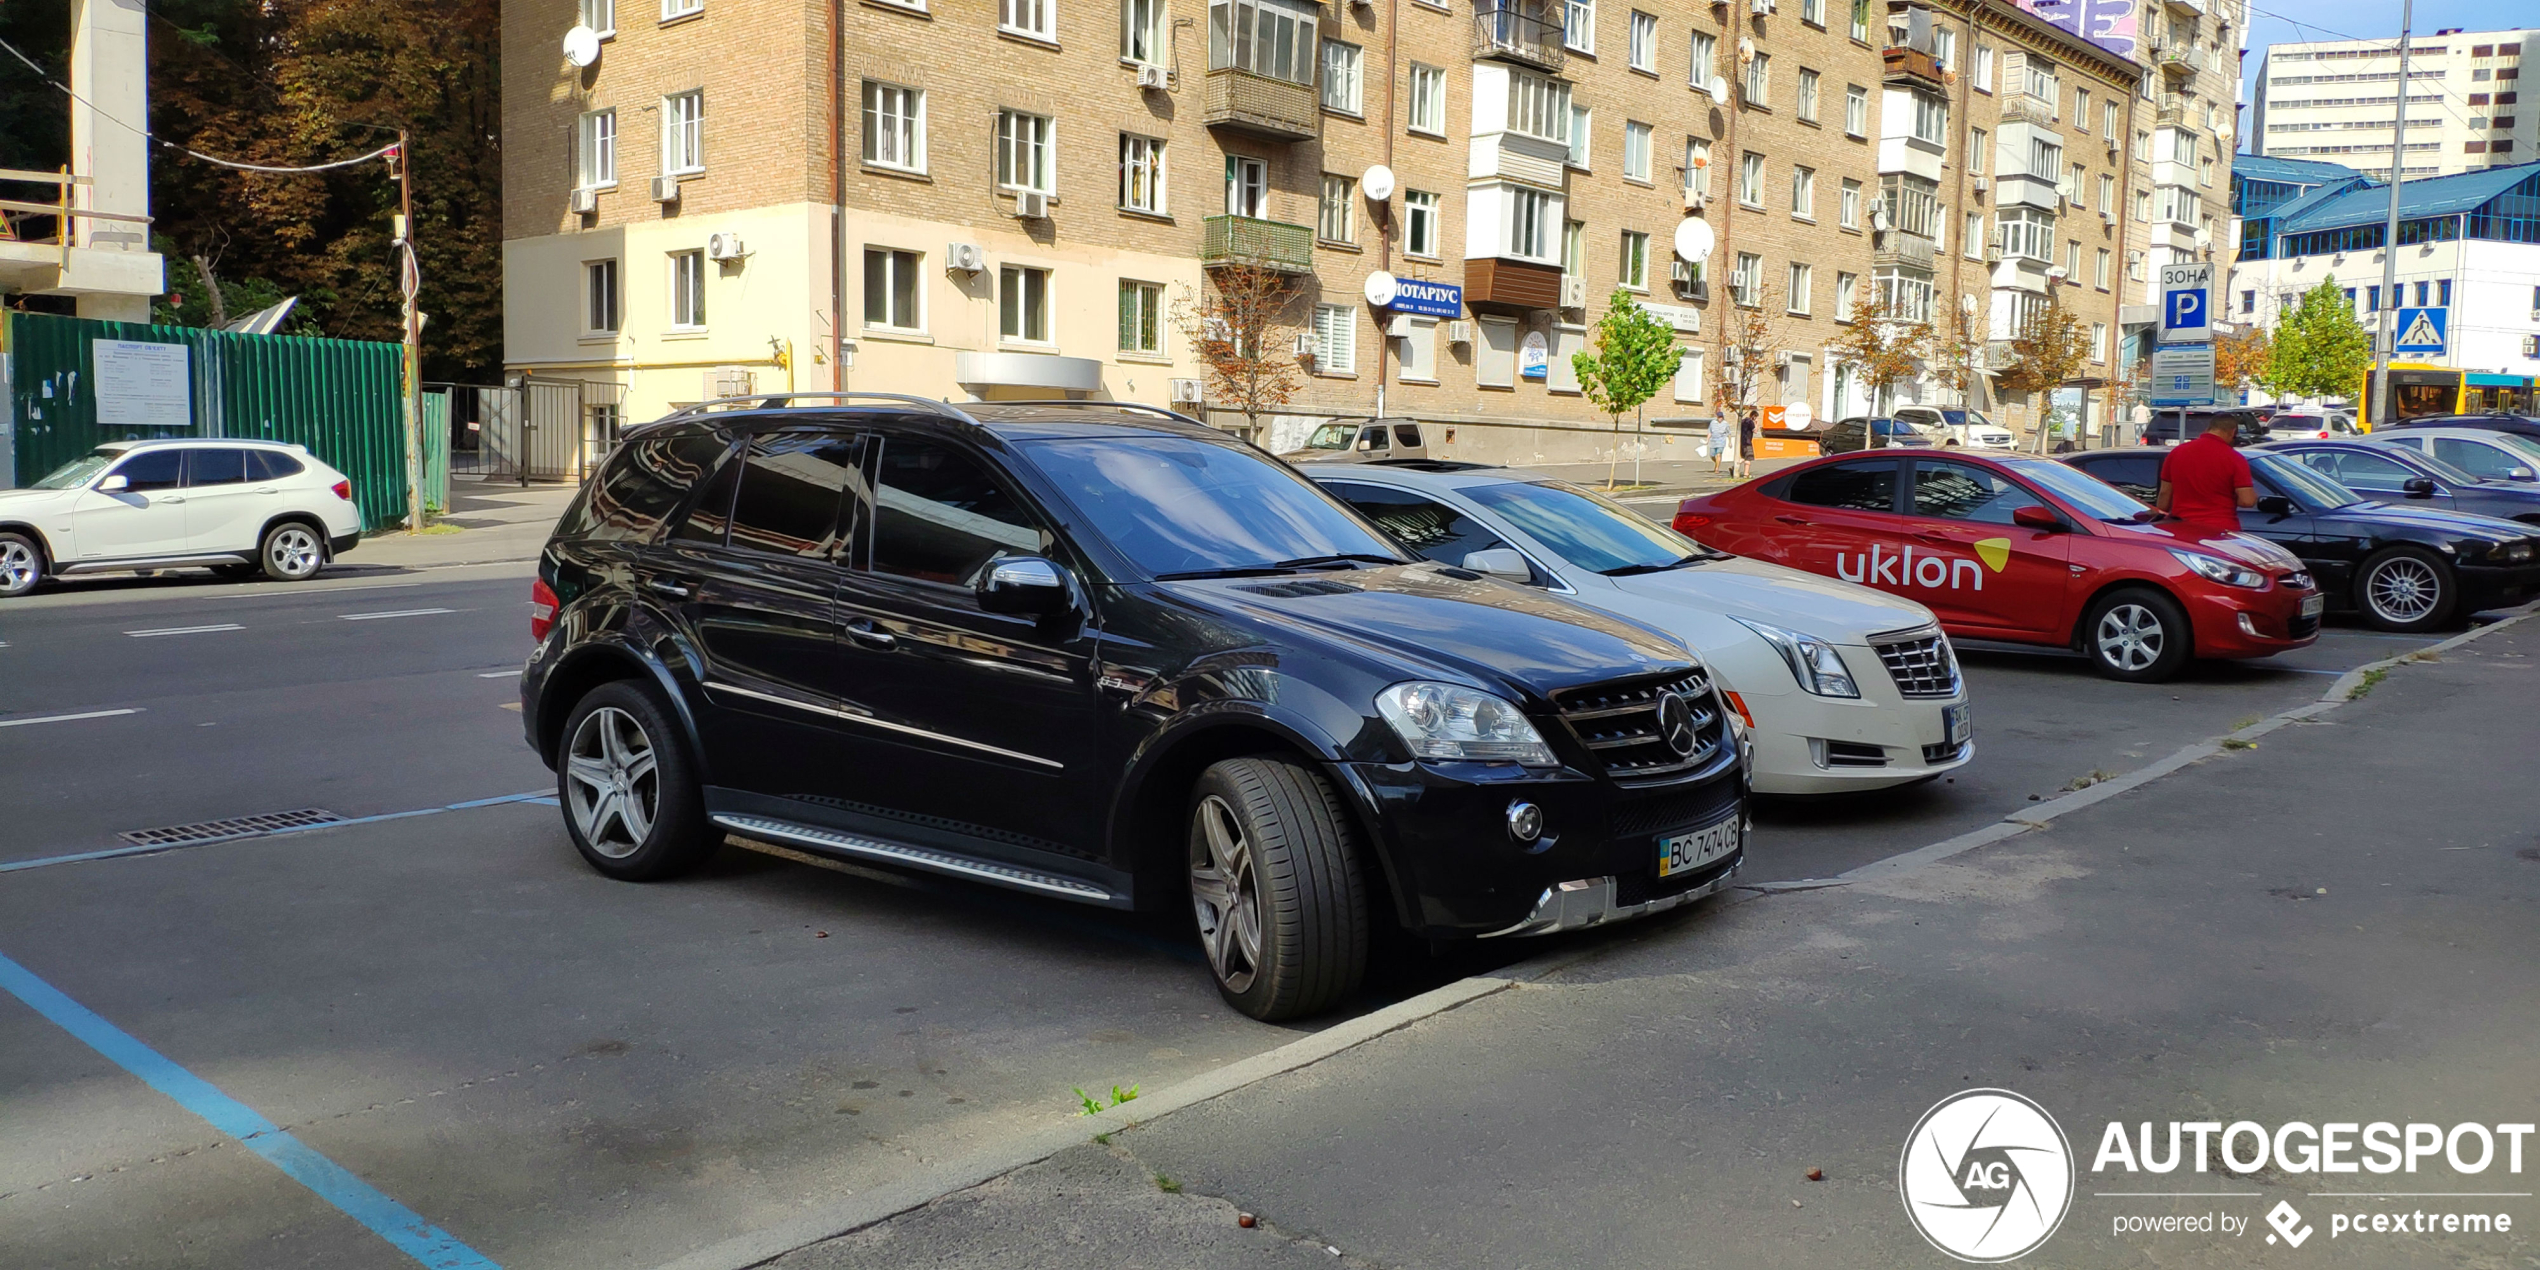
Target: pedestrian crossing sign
x=2422 y=330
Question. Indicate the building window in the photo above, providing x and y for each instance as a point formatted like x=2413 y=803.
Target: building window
x=1634 y=272
x=1982 y=68
x=1807 y=95
x=2072 y=260
x=2040 y=80
x=1750 y=179
x=2249 y=299
x=687 y=290
x=2107 y=192
x=894 y=290
x=1849 y=212
x=2045 y=159
x=2143 y=205
x=1931 y=119
x=1247 y=187
x=1845 y=285
x=2028 y=234
x=600 y=16
x=1644 y=50
x=596 y=164
x=1270 y=38
x=1795 y=292
x=1035 y=18
x=1539 y=107
x=2143 y=147
x=1531 y=214
x=2081 y=111
x=1420 y=222
x=1746 y=282
x=1906 y=292
x=1023 y=304
x=1759 y=80
x=1580 y=116
x=2099 y=271
x=1979 y=151
x=2134 y=266
x=1142 y=182
x=1573 y=243
x=1335 y=339
x=2443 y=294
x=1973 y=233
x=1428 y=100
x=2108 y=125
x=1856 y=111
x=1335 y=219
x=1023 y=151
x=1813 y=12
x=1142 y=31
x=1803 y=193
x=1698 y=166
x=1913 y=203
x=2099 y=341
x=1578 y=25
x=894 y=127
x=1341 y=89
x=683 y=133
x=1861 y=20
x=1706 y=48
x=681 y=8
x=1141 y=317
x=1636 y=151
x=1689 y=376
x=599 y=289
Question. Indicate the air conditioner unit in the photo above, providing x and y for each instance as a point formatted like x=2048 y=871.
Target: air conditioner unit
x=665 y=189
x=1680 y=271
x=1218 y=329
x=724 y=247
x=1459 y=332
x=2107 y=218
x=1031 y=205
x=728 y=381
x=1187 y=392
x=2531 y=346
x=1694 y=201
x=1573 y=291
x=1304 y=345
x=1154 y=77
x=1399 y=325
x=586 y=201
x=964 y=256
x=1760 y=7
x=1983 y=184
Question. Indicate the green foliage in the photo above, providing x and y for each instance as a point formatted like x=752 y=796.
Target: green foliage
x=1093 y=1104
x=2320 y=349
x=1635 y=356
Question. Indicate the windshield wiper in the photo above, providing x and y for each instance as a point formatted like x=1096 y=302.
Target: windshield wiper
x=1345 y=559
x=1632 y=569
x=1350 y=558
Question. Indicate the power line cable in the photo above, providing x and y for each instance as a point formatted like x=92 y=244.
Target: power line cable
x=189 y=152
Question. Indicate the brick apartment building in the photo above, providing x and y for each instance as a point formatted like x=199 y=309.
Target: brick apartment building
x=1009 y=198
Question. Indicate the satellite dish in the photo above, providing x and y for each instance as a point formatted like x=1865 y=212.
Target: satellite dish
x=1381 y=288
x=1798 y=417
x=1878 y=219
x=581 y=45
x=2204 y=238
x=1378 y=182
x=1745 y=50
x=1719 y=90
x=1967 y=305
x=1694 y=240
x=2055 y=274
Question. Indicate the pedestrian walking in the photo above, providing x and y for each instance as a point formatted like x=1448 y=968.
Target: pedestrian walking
x=1715 y=439
x=2206 y=482
x=1745 y=463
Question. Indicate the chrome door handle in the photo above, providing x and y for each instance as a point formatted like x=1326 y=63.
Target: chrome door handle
x=268 y=490
x=171 y=502
x=1790 y=520
x=864 y=632
x=675 y=590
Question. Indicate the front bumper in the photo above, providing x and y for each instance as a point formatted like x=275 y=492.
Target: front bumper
x=2233 y=623
x=1806 y=744
x=1585 y=902
x=2497 y=586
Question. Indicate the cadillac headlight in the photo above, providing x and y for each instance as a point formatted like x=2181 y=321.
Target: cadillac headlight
x=1814 y=662
x=2217 y=569
x=1446 y=721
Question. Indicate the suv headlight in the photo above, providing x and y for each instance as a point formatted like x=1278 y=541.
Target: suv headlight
x=1814 y=662
x=1447 y=721
x=2217 y=569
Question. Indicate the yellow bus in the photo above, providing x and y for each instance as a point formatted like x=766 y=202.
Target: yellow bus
x=2415 y=390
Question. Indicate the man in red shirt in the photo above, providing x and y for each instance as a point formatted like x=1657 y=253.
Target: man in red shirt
x=2205 y=482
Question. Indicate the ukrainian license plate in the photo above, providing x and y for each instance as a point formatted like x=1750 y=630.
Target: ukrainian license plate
x=1961 y=724
x=2313 y=603
x=1685 y=852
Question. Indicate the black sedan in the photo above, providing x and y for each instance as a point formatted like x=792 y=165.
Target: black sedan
x=2403 y=567
x=2520 y=425
x=2401 y=474
x=1862 y=432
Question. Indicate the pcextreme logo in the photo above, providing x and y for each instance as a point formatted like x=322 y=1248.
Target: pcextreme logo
x=1936 y=572
x=1986 y=1175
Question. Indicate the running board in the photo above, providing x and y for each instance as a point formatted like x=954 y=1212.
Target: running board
x=153 y=562
x=856 y=845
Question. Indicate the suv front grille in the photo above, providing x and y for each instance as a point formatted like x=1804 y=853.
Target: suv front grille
x=1921 y=664
x=1618 y=723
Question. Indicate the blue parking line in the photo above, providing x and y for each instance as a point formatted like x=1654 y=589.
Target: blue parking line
x=111 y=853
x=402 y=1227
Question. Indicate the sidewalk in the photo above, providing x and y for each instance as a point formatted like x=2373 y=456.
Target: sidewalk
x=495 y=522
x=1657 y=477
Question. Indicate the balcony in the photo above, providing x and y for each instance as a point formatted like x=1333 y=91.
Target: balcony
x=1500 y=284
x=1263 y=244
x=1913 y=66
x=2179 y=59
x=1912 y=251
x=1510 y=33
x=2187 y=8
x=2175 y=111
x=1262 y=105
x=2022 y=108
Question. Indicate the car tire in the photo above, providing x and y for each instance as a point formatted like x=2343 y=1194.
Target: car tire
x=628 y=786
x=21 y=565
x=291 y=552
x=2137 y=635
x=2406 y=589
x=1276 y=888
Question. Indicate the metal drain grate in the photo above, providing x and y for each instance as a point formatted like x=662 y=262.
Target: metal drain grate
x=239 y=827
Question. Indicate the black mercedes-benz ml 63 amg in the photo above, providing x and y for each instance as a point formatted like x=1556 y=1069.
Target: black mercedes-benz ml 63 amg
x=1108 y=654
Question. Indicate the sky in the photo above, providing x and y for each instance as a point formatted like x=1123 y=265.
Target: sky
x=2367 y=20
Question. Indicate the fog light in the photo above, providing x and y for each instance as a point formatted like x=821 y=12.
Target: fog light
x=2247 y=626
x=1525 y=821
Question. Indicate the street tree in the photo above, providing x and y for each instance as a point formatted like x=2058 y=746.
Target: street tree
x=2320 y=349
x=1960 y=353
x=1882 y=346
x=1748 y=335
x=1237 y=326
x=2046 y=353
x=2241 y=358
x=1635 y=355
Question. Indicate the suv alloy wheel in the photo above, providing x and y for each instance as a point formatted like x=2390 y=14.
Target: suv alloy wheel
x=21 y=565
x=629 y=791
x=1276 y=888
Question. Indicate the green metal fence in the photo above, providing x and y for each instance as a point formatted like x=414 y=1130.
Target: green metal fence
x=337 y=397
x=436 y=453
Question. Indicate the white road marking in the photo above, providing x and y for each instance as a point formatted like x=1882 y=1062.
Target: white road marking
x=185 y=630
x=64 y=718
x=372 y=617
x=498 y=674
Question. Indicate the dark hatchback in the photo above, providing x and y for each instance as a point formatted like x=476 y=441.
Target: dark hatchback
x=1108 y=654
x=2170 y=427
x=2403 y=567
x=1863 y=432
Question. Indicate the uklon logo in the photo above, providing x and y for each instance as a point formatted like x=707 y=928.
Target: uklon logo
x=1986 y=1175
x=1936 y=572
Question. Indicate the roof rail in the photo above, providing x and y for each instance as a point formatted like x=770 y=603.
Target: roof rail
x=1110 y=405
x=786 y=400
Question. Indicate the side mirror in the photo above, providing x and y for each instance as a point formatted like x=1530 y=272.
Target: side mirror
x=114 y=484
x=1500 y=562
x=1023 y=586
x=2418 y=487
x=2276 y=505
x=2519 y=473
x=1365 y=443
x=2039 y=518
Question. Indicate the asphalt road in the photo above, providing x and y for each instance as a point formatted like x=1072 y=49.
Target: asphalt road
x=562 y=1071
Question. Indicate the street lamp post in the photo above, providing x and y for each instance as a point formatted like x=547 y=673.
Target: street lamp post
x=2386 y=319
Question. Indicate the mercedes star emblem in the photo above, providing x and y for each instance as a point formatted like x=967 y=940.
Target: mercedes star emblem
x=1675 y=723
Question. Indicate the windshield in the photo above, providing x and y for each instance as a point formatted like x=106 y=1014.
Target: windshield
x=1332 y=436
x=1959 y=418
x=2092 y=496
x=2300 y=483
x=1589 y=532
x=2432 y=464
x=78 y=471
x=1183 y=507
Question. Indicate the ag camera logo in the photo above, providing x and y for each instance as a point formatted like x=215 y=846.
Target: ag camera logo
x=1986 y=1175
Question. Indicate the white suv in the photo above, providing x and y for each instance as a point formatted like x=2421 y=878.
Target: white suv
x=1957 y=426
x=235 y=507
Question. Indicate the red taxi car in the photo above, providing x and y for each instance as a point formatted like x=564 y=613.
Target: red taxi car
x=2021 y=550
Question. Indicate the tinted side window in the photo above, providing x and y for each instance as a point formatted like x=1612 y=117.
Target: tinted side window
x=2140 y=477
x=793 y=492
x=2357 y=471
x=1433 y=530
x=272 y=465
x=1373 y=439
x=1963 y=491
x=1860 y=487
x=710 y=514
x=940 y=515
x=643 y=485
x=1407 y=435
x=2483 y=461
x=215 y=467
x=153 y=469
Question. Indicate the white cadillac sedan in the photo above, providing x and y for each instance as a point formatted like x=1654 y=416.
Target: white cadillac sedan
x=239 y=508
x=1840 y=687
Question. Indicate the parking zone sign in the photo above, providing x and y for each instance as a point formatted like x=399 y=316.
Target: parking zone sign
x=2182 y=375
x=2187 y=303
